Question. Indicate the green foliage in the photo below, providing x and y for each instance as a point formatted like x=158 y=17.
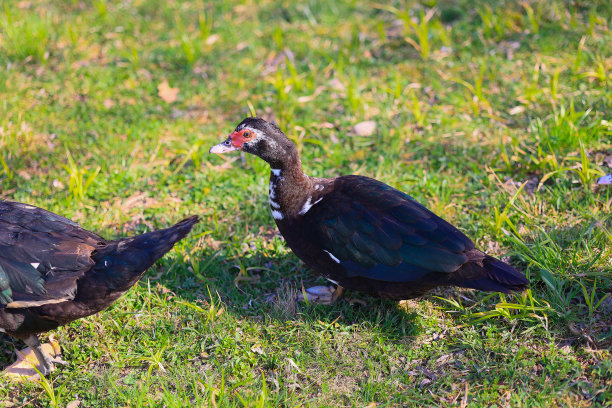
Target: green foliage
x=494 y=115
x=25 y=35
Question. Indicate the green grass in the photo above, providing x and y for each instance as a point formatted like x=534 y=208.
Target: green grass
x=495 y=116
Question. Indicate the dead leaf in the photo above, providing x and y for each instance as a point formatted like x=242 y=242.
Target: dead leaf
x=443 y=359
x=108 y=103
x=516 y=110
x=58 y=184
x=74 y=404
x=424 y=382
x=292 y=363
x=366 y=128
x=212 y=39
x=308 y=98
x=167 y=93
x=336 y=84
x=464 y=400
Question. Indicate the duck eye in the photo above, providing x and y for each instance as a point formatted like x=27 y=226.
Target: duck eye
x=247 y=135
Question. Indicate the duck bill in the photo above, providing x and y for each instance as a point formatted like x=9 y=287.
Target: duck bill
x=224 y=147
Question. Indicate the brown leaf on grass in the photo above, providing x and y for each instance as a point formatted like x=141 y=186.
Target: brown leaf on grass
x=212 y=39
x=268 y=233
x=167 y=93
x=512 y=185
x=309 y=98
x=257 y=349
x=366 y=128
x=336 y=85
x=225 y=166
x=58 y=184
x=516 y=110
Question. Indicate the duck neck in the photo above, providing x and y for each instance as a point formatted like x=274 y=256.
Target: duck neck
x=288 y=186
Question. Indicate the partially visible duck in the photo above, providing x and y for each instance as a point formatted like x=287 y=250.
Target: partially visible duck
x=52 y=271
x=363 y=234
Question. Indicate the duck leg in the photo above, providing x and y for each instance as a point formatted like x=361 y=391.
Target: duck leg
x=47 y=363
x=338 y=293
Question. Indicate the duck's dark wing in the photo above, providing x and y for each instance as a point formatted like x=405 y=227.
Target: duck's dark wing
x=378 y=232
x=41 y=255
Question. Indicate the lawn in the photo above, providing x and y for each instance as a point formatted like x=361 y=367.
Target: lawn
x=496 y=116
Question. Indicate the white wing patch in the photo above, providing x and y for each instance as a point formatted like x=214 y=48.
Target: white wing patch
x=35 y=265
x=277 y=215
x=276 y=172
x=332 y=257
x=318 y=187
x=274 y=204
x=307 y=205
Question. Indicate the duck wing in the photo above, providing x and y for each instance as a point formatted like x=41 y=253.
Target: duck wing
x=377 y=232
x=41 y=255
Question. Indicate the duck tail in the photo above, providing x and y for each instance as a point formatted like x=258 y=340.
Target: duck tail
x=122 y=262
x=491 y=275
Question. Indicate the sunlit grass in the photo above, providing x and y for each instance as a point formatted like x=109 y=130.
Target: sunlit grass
x=497 y=116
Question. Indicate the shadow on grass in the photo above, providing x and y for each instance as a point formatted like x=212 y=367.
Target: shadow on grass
x=8 y=345
x=249 y=286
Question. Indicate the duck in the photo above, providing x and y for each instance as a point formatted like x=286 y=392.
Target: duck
x=362 y=234
x=52 y=271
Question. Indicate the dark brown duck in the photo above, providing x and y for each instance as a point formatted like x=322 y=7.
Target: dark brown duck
x=52 y=271
x=363 y=234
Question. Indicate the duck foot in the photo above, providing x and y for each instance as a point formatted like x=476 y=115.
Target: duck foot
x=338 y=293
x=42 y=356
x=325 y=295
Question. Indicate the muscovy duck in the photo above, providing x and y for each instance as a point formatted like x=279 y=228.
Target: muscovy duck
x=363 y=234
x=52 y=271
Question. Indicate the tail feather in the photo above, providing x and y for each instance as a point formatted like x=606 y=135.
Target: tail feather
x=122 y=262
x=158 y=242
x=492 y=275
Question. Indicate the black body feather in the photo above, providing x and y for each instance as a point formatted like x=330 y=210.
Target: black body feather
x=369 y=236
x=52 y=271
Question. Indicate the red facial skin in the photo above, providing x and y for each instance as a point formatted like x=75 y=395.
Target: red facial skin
x=238 y=138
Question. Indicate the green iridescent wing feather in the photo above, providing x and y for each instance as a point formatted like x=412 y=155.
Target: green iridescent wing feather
x=41 y=254
x=381 y=233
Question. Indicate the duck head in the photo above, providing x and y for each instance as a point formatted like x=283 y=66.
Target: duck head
x=261 y=138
